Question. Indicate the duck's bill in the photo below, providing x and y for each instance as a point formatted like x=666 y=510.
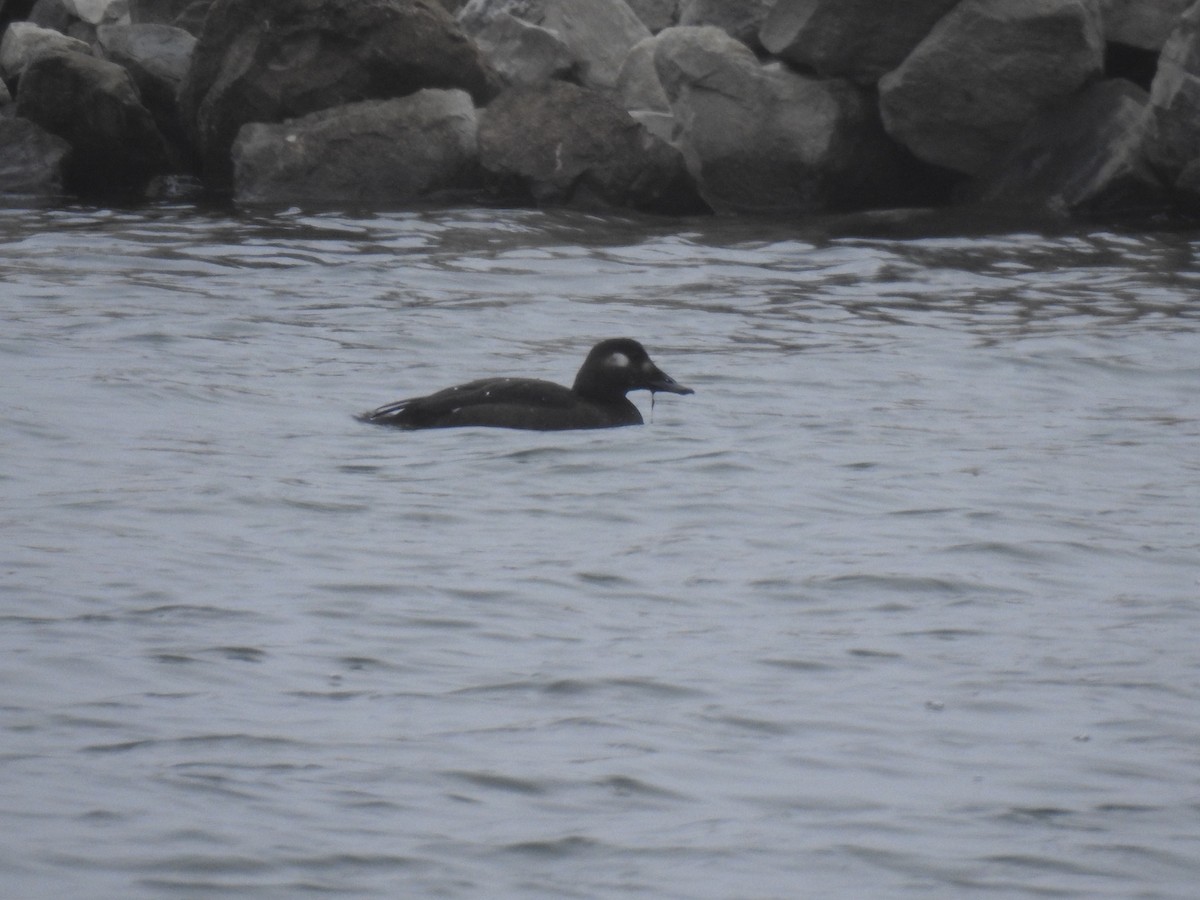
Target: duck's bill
x=664 y=382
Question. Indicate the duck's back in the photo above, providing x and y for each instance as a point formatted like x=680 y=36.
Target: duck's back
x=527 y=403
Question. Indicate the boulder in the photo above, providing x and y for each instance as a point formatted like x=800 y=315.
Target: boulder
x=158 y=57
x=984 y=71
x=1144 y=24
x=371 y=153
x=568 y=144
x=51 y=14
x=740 y=19
x=186 y=14
x=638 y=86
x=597 y=33
x=96 y=11
x=31 y=159
x=270 y=60
x=1082 y=156
x=94 y=105
x=763 y=139
x=856 y=39
x=1173 y=130
x=656 y=14
x=523 y=53
x=24 y=42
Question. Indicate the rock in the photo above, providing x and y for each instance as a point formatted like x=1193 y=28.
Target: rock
x=740 y=19
x=856 y=39
x=656 y=14
x=371 y=153
x=270 y=60
x=987 y=68
x=1082 y=156
x=1145 y=24
x=597 y=33
x=522 y=53
x=186 y=14
x=31 y=159
x=23 y=43
x=1173 y=130
x=51 y=14
x=570 y=144
x=158 y=58
x=764 y=139
x=97 y=11
x=93 y=104
x=637 y=84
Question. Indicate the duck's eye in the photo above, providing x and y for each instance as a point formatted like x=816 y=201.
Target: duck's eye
x=618 y=361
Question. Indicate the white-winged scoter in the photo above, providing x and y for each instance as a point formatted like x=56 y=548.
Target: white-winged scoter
x=596 y=400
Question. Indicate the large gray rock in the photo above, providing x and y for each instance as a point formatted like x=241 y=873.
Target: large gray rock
x=740 y=19
x=597 y=33
x=1083 y=156
x=855 y=39
x=31 y=159
x=24 y=42
x=656 y=14
x=572 y=145
x=764 y=139
x=638 y=85
x=372 y=153
x=986 y=69
x=186 y=14
x=1145 y=24
x=270 y=60
x=51 y=14
x=523 y=53
x=94 y=105
x=158 y=58
x=1173 y=131
x=96 y=11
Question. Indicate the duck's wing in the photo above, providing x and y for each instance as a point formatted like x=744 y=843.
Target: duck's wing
x=474 y=403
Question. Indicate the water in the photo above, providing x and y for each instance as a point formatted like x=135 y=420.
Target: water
x=901 y=603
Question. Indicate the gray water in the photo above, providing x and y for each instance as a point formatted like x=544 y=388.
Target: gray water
x=903 y=602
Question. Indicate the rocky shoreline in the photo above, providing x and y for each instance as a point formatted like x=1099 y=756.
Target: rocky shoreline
x=1073 y=108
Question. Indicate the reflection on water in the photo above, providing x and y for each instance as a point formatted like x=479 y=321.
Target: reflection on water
x=899 y=603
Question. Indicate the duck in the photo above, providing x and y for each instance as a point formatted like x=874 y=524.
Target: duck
x=597 y=399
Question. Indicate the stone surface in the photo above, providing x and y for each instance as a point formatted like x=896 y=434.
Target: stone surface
x=94 y=105
x=656 y=14
x=1083 y=156
x=372 y=153
x=523 y=53
x=856 y=39
x=740 y=19
x=270 y=60
x=24 y=42
x=1173 y=131
x=987 y=68
x=51 y=14
x=97 y=11
x=1145 y=24
x=764 y=139
x=638 y=86
x=572 y=145
x=599 y=32
x=186 y=14
x=31 y=159
x=158 y=58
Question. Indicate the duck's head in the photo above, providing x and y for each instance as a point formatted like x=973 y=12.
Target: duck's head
x=619 y=365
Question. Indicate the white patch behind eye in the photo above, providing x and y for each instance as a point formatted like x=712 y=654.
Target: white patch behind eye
x=619 y=360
